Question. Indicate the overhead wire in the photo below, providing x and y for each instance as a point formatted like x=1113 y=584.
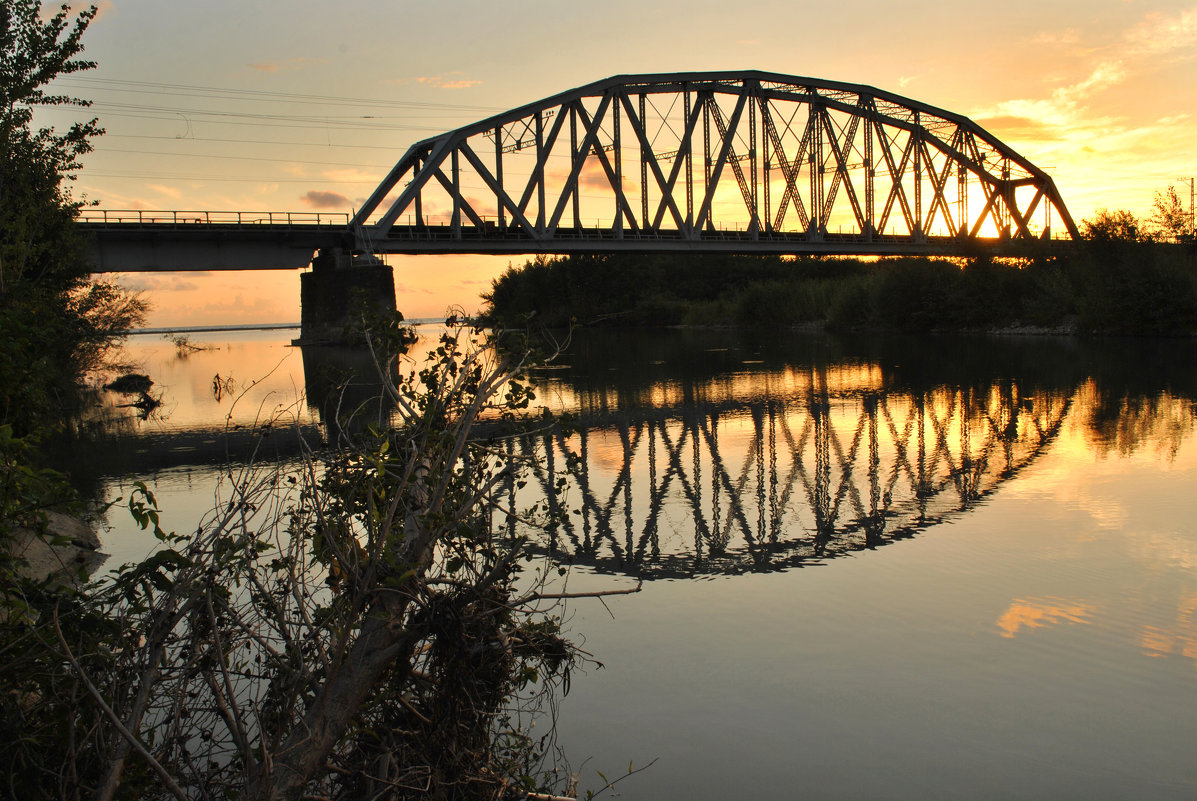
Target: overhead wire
x=275 y=121
x=241 y=158
x=244 y=141
x=188 y=113
x=288 y=97
x=240 y=179
x=279 y=121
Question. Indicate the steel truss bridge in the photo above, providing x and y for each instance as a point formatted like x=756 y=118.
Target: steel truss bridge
x=743 y=162
x=719 y=161
x=726 y=488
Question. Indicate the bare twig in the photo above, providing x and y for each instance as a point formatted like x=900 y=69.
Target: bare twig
x=113 y=718
x=561 y=596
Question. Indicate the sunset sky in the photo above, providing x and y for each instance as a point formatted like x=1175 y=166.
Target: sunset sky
x=259 y=105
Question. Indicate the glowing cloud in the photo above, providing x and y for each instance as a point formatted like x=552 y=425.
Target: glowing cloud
x=290 y=65
x=1157 y=35
x=1037 y=613
x=1071 y=117
x=1179 y=638
x=171 y=192
x=351 y=175
x=325 y=200
x=1068 y=36
x=450 y=81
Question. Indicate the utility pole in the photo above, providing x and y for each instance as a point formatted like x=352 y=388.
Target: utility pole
x=1192 y=227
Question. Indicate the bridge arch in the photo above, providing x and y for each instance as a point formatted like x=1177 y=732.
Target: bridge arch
x=716 y=161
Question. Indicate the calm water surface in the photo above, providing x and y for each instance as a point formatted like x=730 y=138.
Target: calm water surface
x=872 y=568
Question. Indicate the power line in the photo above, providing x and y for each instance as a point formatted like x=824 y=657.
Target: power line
x=153 y=87
x=101 y=150
x=243 y=179
x=102 y=104
x=225 y=140
x=267 y=121
x=244 y=141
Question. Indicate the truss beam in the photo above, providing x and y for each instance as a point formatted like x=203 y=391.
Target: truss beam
x=609 y=166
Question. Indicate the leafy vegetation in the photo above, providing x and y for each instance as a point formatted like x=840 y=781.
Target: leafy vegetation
x=1122 y=280
x=368 y=623
x=1168 y=217
x=54 y=320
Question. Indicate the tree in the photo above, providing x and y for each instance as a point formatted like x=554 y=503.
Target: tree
x=1118 y=225
x=34 y=203
x=1168 y=215
x=55 y=322
x=371 y=622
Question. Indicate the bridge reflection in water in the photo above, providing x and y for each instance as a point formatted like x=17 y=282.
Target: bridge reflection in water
x=816 y=464
x=707 y=452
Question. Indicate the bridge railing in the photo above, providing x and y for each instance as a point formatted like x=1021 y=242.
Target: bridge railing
x=237 y=219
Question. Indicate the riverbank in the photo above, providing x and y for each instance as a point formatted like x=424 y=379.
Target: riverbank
x=1018 y=488
x=1108 y=288
x=220 y=329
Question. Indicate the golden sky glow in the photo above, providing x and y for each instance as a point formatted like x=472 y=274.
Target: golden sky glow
x=305 y=106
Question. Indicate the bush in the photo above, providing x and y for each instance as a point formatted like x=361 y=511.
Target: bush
x=1115 y=286
x=1143 y=290
x=369 y=623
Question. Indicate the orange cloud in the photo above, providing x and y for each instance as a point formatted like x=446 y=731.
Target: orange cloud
x=1011 y=126
x=325 y=200
x=290 y=65
x=450 y=81
x=160 y=282
x=462 y=84
x=591 y=177
x=1181 y=638
x=171 y=192
x=352 y=175
x=410 y=289
x=1157 y=34
x=1037 y=613
x=47 y=12
x=1067 y=36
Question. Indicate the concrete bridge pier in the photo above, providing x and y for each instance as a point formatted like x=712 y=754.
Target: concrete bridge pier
x=341 y=293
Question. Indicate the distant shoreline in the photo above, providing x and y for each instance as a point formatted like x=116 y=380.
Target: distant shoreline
x=205 y=329
x=201 y=329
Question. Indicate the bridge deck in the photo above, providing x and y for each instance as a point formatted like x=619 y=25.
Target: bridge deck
x=165 y=241
x=146 y=241
x=446 y=239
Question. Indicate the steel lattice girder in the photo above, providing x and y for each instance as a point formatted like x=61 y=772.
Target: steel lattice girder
x=842 y=470
x=815 y=166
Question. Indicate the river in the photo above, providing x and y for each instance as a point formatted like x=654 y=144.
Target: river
x=873 y=567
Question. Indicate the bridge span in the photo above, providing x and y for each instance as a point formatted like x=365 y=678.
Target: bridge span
x=735 y=162
x=137 y=240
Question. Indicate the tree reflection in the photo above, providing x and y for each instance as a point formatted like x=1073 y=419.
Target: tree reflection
x=1121 y=423
x=707 y=452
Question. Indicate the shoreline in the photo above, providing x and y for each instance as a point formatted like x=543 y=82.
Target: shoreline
x=1068 y=329
x=206 y=329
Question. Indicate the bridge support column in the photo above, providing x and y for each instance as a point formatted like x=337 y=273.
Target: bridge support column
x=340 y=292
